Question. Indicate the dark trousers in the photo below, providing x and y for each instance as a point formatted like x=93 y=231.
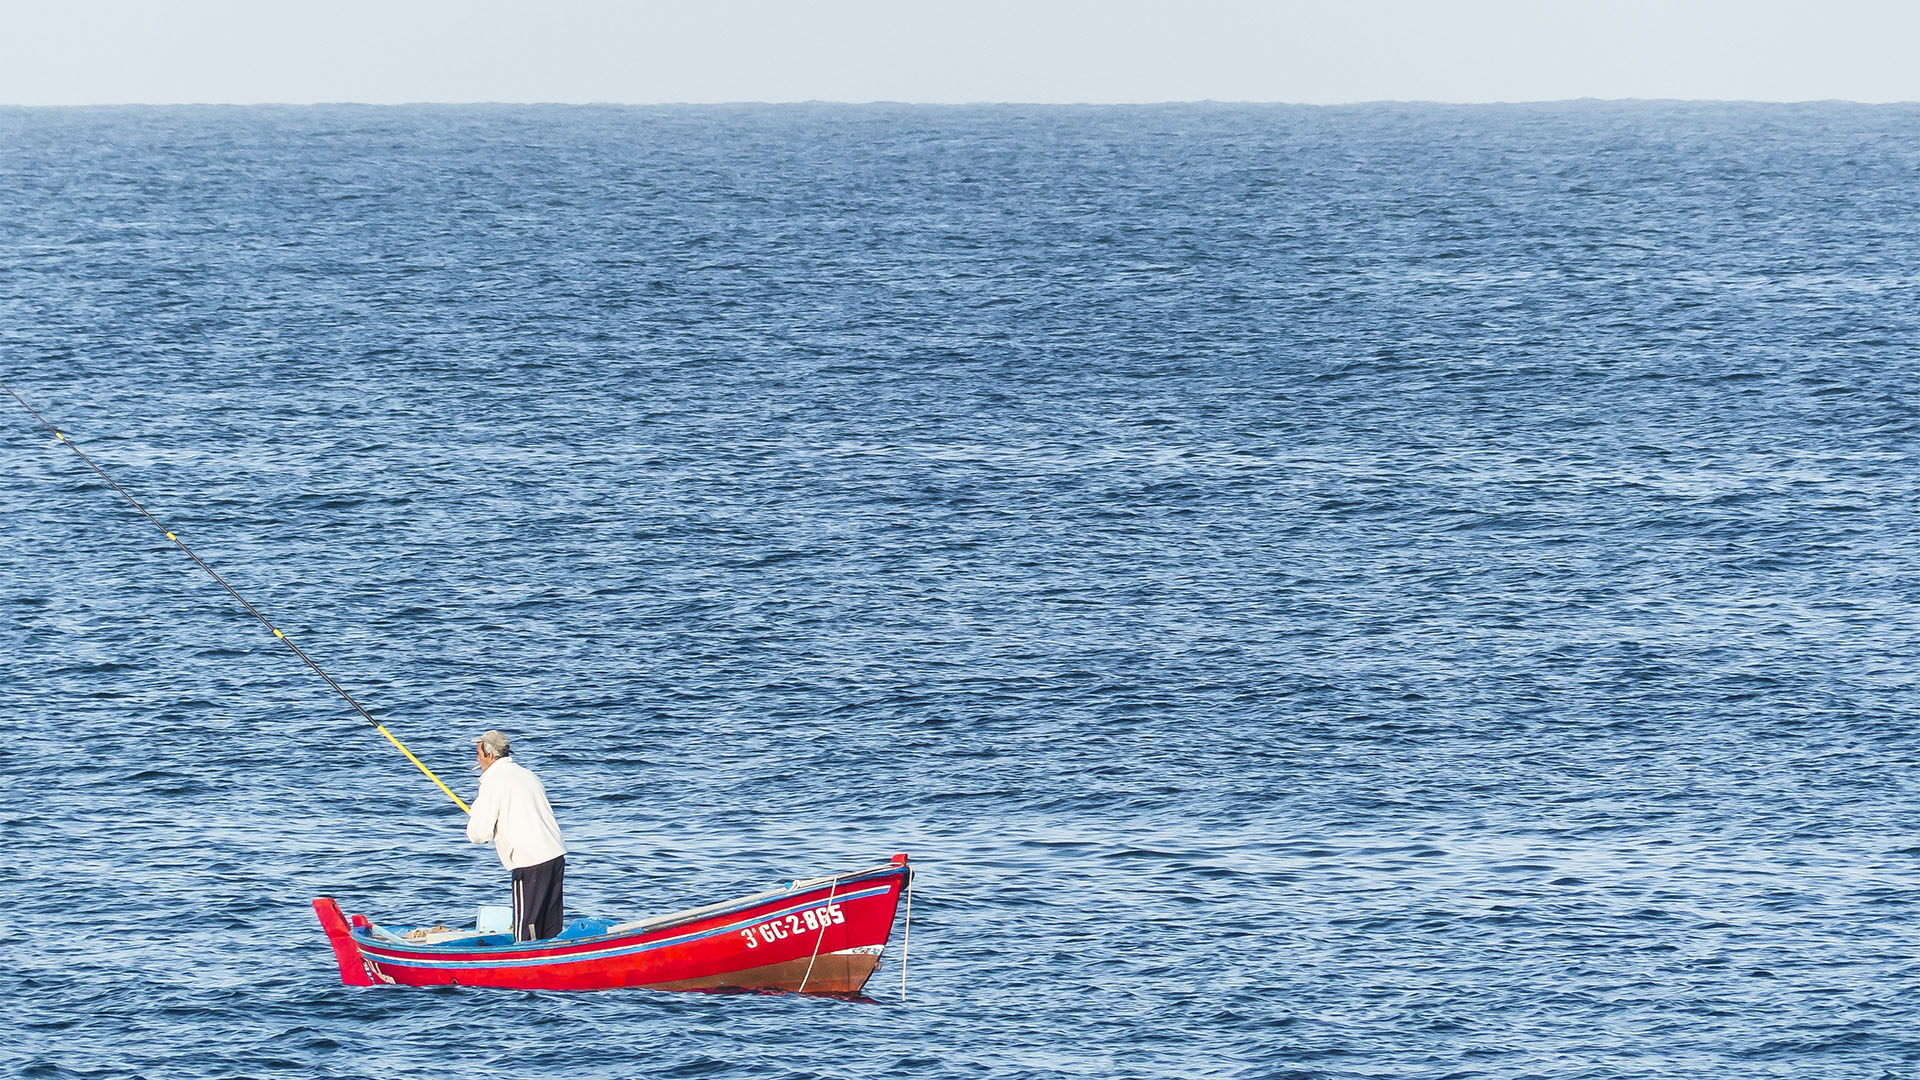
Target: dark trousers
x=536 y=899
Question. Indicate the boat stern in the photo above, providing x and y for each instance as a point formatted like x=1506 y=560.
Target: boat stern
x=353 y=970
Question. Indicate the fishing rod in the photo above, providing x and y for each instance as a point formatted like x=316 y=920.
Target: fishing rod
x=255 y=612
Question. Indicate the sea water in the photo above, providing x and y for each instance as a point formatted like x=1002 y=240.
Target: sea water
x=1392 y=591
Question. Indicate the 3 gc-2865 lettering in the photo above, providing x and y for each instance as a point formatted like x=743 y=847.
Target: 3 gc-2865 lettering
x=773 y=930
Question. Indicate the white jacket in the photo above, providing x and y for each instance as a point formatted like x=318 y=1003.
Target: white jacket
x=511 y=810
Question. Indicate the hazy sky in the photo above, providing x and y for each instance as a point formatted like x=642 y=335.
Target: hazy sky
x=106 y=51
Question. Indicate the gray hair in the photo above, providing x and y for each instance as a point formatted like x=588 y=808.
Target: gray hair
x=495 y=745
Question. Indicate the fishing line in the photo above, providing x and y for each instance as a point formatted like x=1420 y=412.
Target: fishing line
x=906 y=942
x=255 y=612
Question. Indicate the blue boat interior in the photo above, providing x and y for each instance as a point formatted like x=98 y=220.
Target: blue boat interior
x=578 y=928
x=584 y=928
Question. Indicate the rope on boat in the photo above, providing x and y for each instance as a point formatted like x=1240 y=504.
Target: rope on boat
x=906 y=937
x=255 y=612
x=817 y=938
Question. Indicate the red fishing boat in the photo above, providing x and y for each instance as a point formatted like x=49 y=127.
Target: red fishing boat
x=823 y=935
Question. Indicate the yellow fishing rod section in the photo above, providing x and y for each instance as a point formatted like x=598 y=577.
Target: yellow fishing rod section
x=255 y=612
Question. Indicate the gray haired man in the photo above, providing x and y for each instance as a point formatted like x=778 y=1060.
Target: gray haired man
x=511 y=812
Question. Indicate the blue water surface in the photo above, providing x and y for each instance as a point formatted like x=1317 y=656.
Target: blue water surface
x=1390 y=591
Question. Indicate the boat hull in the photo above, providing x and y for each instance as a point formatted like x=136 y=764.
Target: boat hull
x=821 y=936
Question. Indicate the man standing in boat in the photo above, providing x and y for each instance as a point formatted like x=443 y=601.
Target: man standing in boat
x=511 y=811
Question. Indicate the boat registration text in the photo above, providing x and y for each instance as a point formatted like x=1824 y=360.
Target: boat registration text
x=814 y=919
